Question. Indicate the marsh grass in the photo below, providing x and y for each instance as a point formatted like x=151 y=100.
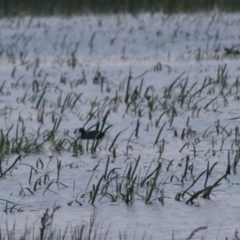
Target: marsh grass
x=127 y=185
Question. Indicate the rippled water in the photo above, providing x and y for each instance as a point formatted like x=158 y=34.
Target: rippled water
x=187 y=45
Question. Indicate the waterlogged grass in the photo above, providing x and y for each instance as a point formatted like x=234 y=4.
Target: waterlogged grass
x=171 y=137
x=152 y=110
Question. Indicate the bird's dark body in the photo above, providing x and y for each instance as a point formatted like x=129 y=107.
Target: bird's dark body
x=90 y=134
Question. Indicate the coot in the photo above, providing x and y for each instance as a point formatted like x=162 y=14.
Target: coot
x=89 y=134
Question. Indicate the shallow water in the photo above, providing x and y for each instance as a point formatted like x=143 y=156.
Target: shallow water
x=190 y=46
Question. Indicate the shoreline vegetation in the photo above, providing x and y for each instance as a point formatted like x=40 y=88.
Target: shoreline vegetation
x=66 y=7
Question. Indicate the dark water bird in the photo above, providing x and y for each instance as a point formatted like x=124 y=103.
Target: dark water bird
x=89 y=134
